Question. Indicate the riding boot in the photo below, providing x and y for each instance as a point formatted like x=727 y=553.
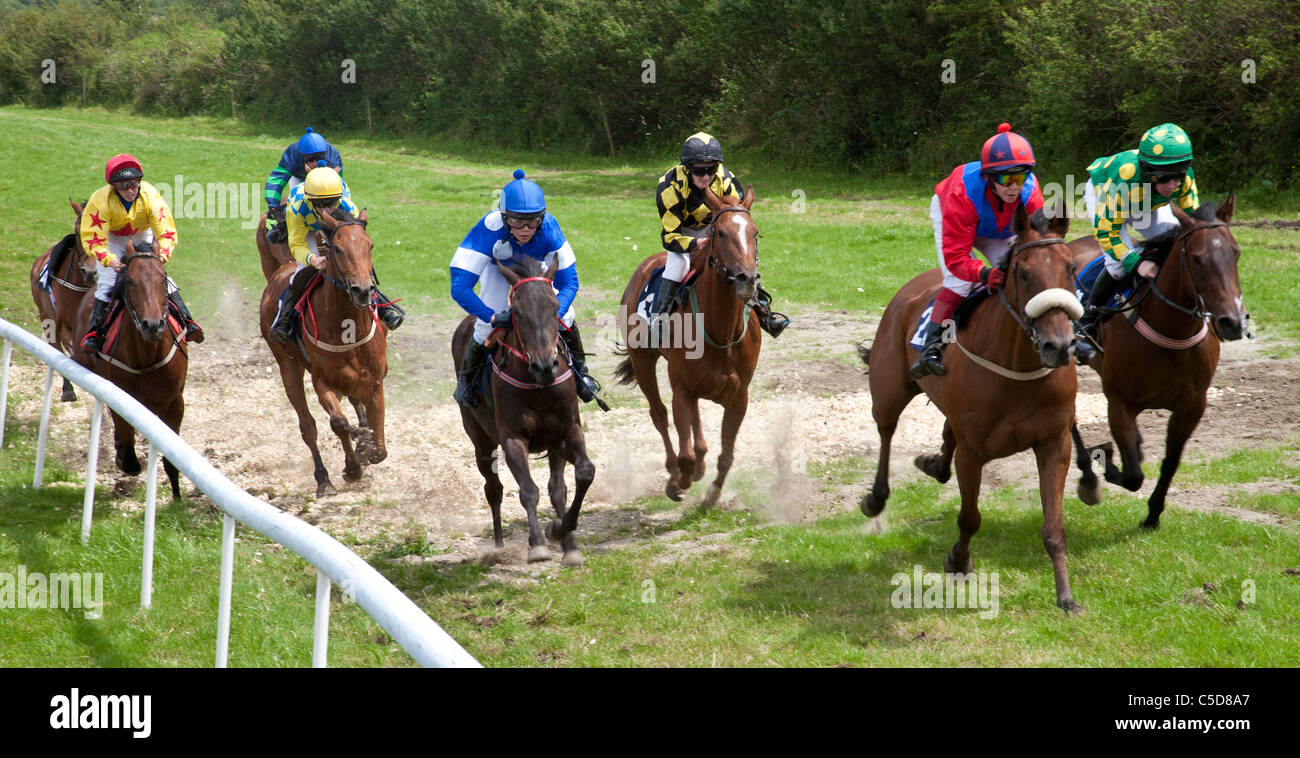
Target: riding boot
x=772 y=322
x=931 y=360
x=662 y=306
x=193 y=332
x=275 y=225
x=1088 y=325
x=94 y=339
x=390 y=313
x=285 y=315
x=475 y=356
x=587 y=386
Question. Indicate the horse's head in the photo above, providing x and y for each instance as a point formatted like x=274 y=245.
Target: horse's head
x=1039 y=283
x=1209 y=264
x=350 y=261
x=533 y=307
x=732 y=246
x=144 y=290
x=85 y=263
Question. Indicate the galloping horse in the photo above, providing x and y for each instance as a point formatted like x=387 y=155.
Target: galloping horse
x=1165 y=357
x=718 y=370
x=73 y=279
x=343 y=345
x=149 y=360
x=535 y=409
x=1010 y=385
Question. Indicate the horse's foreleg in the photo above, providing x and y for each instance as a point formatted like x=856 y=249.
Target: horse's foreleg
x=173 y=419
x=939 y=465
x=515 y=450
x=682 y=401
x=124 y=445
x=329 y=400
x=291 y=376
x=372 y=416
x=643 y=366
x=360 y=409
x=701 y=447
x=559 y=497
x=69 y=395
x=1123 y=427
x=970 y=471
x=732 y=416
x=584 y=473
x=1053 y=466
x=1089 y=489
x=1181 y=426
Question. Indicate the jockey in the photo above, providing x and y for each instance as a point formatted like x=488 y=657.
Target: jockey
x=309 y=152
x=973 y=209
x=323 y=191
x=521 y=228
x=1137 y=187
x=125 y=211
x=684 y=217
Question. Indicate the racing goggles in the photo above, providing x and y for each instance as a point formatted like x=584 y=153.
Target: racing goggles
x=523 y=222
x=1013 y=179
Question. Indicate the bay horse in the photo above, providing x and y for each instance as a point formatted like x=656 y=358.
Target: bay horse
x=718 y=369
x=343 y=345
x=58 y=307
x=534 y=410
x=1165 y=354
x=149 y=360
x=1010 y=384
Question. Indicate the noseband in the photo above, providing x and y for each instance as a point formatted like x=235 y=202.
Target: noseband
x=331 y=263
x=126 y=281
x=518 y=352
x=713 y=261
x=1198 y=309
x=1018 y=309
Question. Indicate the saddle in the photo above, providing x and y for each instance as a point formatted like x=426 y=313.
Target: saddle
x=117 y=317
x=645 y=299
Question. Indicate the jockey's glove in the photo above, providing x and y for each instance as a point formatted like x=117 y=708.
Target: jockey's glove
x=501 y=320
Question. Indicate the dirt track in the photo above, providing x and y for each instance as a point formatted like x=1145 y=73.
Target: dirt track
x=809 y=404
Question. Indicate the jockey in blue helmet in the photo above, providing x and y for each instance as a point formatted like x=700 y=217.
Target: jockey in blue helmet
x=521 y=228
x=309 y=152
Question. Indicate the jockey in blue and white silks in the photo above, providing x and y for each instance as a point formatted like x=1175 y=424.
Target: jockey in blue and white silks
x=521 y=228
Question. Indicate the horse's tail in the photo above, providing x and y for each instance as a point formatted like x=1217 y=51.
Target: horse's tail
x=864 y=352
x=625 y=373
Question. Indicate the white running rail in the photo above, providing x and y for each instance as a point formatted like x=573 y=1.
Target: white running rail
x=423 y=639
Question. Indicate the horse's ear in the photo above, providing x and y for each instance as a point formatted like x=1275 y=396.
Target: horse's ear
x=363 y=218
x=327 y=220
x=749 y=197
x=511 y=277
x=1020 y=224
x=1225 y=210
x=551 y=269
x=75 y=208
x=711 y=200
x=1184 y=220
x=1058 y=224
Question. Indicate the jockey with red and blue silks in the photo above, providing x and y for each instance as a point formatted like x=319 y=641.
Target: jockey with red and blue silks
x=972 y=210
x=521 y=228
x=309 y=152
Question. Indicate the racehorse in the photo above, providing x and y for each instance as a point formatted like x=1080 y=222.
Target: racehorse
x=148 y=360
x=534 y=409
x=1010 y=384
x=74 y=277
x=720 y=369
x=1164 y=355
x=343 y=345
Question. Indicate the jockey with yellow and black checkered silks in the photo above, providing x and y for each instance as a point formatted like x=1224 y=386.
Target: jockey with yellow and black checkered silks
x=684 y=217
x=1130 y=197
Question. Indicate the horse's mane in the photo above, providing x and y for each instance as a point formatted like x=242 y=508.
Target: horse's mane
x=342 y=216
x=526 y=266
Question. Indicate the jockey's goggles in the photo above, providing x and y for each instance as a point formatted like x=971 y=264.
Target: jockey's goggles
x=703 y=169
x=314 y=158
x=524 y=222
x=1011 y=179
x=1162 y=178
x=126 y=185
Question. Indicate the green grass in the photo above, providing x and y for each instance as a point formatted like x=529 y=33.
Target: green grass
x=1280 y=463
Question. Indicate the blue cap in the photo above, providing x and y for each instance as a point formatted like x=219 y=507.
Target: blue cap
x=522 y=196
x=311 y=142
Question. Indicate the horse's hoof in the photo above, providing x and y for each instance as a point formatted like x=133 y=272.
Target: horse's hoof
x=352 y=475
x=1151 y=523
x=1090 y=495
x=572 y=558
x=928 y=464
x=711 y=497
x=950 y=566
x=871 y=506
x=1069 y=606
x=128 y=467
x=538 y=553
x=325 y=488
x=68 y=397
x=699 y=474
x=673 y=491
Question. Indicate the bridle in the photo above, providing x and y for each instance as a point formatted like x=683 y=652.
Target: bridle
x=522 y=354
x=713 y=261
x=1019 y=307
x=1198 y=309
x=331 y=263
x=126 y=282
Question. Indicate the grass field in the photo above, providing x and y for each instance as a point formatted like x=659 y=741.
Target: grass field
x=721 y=588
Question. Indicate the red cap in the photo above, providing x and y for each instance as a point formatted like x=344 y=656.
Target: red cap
x=119 y=162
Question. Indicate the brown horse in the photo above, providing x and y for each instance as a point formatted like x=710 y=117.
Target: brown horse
x=1010 y=385
x=719 y=368
x=1165 y=357
x=149 y=360
x=535 y=409
x=345 y=347
x=73 y=279
x=273 y=256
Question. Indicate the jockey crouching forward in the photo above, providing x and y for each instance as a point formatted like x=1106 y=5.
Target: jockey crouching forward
x=1129 y=197
x=323 y=191
x=973 y=209
x=126 y=211
x=521 y=228
x=309 y=152
x=684 y=217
